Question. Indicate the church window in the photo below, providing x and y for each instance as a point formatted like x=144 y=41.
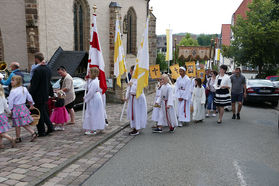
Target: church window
x=81 y=25
x=131 y=32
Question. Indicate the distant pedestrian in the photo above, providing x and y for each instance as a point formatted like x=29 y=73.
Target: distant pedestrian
x=20 y=113
x=67 y=86
x=167 y=114
x=94 y=114
x=4 y=125
x=238 y=92
x=222 y=96
x=198 y=100
x=59 y=116
x=137 y=108
x=211 y=94
x=41 y=89
x=183 y=88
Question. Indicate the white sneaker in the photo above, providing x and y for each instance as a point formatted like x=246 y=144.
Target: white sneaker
x=107 y=125
x=214 y=115
x=57 y=128
x=207 y=115
x=62 y=128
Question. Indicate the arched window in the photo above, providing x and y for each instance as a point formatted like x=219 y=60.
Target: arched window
x=131 y=32
x=81 y=25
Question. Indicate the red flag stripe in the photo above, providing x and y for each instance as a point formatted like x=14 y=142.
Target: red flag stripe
x=95 y=41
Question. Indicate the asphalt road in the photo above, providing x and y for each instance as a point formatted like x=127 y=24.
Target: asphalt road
x=237 y=152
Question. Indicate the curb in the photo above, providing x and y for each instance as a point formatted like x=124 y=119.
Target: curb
x=83 y=152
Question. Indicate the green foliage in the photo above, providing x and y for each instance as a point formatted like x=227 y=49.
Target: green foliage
x=161 y=61
x=256 y=38
x=188 y=41
x=205 y=39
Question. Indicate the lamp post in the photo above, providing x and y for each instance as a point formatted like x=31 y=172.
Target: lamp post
x=175 y=50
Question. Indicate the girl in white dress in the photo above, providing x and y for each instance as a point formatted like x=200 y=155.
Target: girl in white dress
x=137 y=108
x=198 y=100
x=156 y=108
x=20 y=113
x=167 y=114
x=94 y=115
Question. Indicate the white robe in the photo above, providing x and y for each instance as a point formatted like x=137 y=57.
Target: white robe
x=138 y=115
x=198 y=100
x=167 y=116
x=155 y=112
x=183 y=90
x=94 y=114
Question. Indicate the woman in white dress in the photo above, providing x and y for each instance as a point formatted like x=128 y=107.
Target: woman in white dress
x=137 y=108
x=94 y=115
x=198 y=100
x=167 y=114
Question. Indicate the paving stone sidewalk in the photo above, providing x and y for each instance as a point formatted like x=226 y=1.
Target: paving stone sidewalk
x=30 y=160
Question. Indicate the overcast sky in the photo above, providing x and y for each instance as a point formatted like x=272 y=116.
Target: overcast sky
x=193 y=16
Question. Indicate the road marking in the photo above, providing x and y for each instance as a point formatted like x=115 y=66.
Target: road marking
x=239 y=173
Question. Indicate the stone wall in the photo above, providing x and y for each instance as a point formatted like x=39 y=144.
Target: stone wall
x=13 y=31
x=152 y=38
x=1 y=48
x=32 y=32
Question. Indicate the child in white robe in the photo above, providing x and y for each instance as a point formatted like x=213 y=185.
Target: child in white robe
x=94 y=115
x=183 y=94
x=156 y=108
x=167 y=115
x=137 y=107
x=198 y=100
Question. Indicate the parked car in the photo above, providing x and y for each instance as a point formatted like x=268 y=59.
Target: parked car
x=262 y=90
x=26 y=78
x=273 y=78
x=79 y=87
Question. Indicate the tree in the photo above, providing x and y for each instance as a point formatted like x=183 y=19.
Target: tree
x=188 y=41
x=205 y=39
x=161 y=61
x=256 y=38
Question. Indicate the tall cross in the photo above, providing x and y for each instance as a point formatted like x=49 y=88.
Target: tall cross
x=155 y=71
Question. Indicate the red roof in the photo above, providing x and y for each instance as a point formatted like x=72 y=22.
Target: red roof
x=226 y=34
x=242 y=9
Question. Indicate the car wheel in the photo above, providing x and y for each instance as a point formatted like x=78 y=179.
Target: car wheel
x=274 y=104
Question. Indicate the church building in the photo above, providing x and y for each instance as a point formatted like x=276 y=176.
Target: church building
x=29 y=26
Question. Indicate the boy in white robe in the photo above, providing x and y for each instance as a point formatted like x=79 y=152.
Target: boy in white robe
x=137 y=108
x=183 y=94
x=198 y=100
x=167 y=115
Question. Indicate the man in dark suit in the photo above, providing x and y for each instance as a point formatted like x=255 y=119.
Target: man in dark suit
x=40 y=90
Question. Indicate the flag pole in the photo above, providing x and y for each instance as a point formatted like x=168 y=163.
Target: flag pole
x=85 y=91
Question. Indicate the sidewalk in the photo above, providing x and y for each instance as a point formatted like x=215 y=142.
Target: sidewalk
x=31 y=162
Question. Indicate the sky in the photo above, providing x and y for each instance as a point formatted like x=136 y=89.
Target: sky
x=193 y=16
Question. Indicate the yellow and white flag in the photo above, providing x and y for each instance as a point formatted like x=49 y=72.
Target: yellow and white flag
x=169 y=45
x=119 y=57
x=217 y=54
x=141 y=72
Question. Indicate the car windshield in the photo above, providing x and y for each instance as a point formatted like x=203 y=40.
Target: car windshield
x=274 y=78
x=260 y=83
x=56 y=85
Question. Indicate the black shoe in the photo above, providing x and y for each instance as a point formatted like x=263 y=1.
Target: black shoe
x=219 y=121
x=18 y=140
x=42 y=134
x=106 y=121
x=50 y=131
x=233 y=117
x=157 y=130
x=237 y=116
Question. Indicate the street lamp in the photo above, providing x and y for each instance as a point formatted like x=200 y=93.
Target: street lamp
x=175 y=50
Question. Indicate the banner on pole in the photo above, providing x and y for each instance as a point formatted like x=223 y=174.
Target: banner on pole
x=169 y=45
x=201 y=74
x=191 y=69
x=154 y=71
x=174 y=71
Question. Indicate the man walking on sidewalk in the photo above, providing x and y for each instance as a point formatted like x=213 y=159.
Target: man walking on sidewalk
x=238 y=91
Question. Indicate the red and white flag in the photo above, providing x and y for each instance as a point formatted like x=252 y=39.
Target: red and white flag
x=95 y=58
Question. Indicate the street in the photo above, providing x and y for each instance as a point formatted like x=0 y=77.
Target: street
x=237 y=152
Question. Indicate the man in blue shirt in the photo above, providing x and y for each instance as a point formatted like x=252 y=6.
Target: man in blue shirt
x=15 y=71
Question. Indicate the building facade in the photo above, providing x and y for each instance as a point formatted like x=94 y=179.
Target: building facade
x=28 y=26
